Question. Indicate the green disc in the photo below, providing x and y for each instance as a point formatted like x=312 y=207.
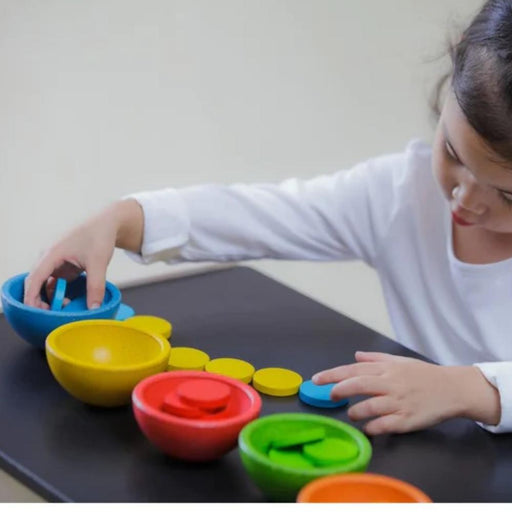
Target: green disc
x=300 y=437
x=289 y=458
x=329 y=451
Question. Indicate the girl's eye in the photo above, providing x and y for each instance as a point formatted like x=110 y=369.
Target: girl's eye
x=450 y=153
x=507 y=198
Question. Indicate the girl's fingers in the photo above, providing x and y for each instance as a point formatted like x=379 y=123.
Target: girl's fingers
x=39 y=277
x=45 y=274
x=372 y=356
x=40 y=304
x=96 y=278
x=375 y=406
x=50 y=287
x=378 y=357
x=34 y=282
x=345 y=372
x=384 y=425
x=364 y=385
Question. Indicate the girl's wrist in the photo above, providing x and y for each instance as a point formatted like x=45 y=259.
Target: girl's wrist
x=128 y=219
x=477 y=398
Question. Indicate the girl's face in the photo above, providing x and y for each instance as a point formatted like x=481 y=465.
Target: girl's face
x=476 y=182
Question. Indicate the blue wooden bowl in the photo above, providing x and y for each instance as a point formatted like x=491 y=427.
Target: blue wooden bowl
x=34 y=324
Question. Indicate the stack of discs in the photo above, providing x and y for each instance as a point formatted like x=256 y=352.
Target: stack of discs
x=311 y=448
x=198 y=399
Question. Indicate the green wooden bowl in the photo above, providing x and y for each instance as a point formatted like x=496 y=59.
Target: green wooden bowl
x=282 y=482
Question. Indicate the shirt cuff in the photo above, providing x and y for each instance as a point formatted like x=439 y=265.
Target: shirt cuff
x=500 y=376
x=166 y=226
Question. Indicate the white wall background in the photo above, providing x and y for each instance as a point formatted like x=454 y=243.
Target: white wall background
x=99 y=98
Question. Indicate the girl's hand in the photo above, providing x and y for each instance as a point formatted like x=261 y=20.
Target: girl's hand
x=408 y=394
x=89 y=248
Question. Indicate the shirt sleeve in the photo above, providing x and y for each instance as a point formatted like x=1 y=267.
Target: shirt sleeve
x=499 y=374
x=339 y=216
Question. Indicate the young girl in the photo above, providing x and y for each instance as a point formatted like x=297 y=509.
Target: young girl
x=436 y=224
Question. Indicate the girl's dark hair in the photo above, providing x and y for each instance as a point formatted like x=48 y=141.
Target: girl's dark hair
x=481 y=76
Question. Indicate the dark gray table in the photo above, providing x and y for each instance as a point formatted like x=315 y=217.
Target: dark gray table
x=67 y=451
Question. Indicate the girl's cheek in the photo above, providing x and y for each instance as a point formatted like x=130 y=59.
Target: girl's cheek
x=447 y=172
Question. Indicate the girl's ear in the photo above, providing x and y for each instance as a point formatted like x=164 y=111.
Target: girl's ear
x=438 y=97
x=505 y=54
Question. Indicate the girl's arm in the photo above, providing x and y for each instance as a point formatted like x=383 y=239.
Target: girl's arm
x=337 y=216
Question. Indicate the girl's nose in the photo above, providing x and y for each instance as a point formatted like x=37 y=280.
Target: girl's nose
x=468 y=197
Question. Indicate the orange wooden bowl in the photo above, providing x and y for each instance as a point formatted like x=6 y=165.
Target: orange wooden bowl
x=360 y=488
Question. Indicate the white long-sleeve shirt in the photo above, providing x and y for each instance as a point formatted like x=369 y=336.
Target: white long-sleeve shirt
x=387 y=211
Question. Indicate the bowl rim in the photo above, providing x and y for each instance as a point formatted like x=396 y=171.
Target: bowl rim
x=139 y=403
x=365 y=448
x=163 y=356
x=367 y=478
x=115 y=293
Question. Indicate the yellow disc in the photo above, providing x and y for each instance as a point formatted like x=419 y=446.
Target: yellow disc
x=152 y=324
x=235 y=368
x=187 y=358
x=277 y=381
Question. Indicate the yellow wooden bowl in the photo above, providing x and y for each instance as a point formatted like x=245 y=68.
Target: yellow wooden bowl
x=100 y=361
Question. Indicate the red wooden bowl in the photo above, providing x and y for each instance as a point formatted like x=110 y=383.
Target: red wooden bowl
x=195 y=439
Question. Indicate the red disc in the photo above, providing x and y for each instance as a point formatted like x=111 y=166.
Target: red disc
x=172 y=404
x=205 y=393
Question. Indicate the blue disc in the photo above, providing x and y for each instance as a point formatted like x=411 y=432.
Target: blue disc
x=59 y=294
x=124 y=312
x=319 y=396
x=78 y=304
